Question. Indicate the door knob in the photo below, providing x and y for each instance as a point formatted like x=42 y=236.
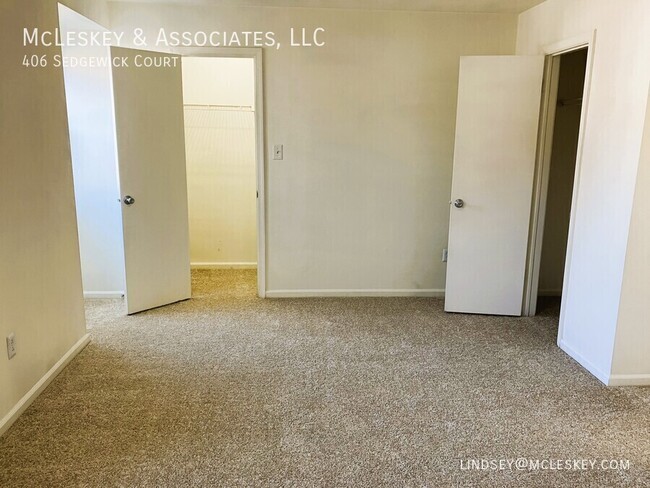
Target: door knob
x=129 y=200
x=459 y=203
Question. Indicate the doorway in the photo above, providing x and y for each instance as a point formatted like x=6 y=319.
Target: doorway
x=562 y=167
x=129 y=164
x=219 y=113
x=560 y=138
x=219 y=101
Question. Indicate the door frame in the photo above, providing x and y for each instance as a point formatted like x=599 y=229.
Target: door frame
x=543 y=163
x=256 y=54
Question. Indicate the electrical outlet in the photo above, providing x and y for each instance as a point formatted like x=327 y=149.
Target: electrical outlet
x=11 y=345
x=445 y=254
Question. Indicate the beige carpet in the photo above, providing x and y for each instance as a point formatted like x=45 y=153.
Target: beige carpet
x=231 y=390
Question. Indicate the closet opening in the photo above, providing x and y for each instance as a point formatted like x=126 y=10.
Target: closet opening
x=567 y=78
x=220 y=146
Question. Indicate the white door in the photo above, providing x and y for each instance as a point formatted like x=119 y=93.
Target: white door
x=151 y=161
x=499 y=101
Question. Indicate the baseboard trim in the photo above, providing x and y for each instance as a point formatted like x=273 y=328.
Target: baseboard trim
x=585 y=363
x=629 y=380
x=103 y=294
x=38 y=388
x=223 y=265
x=354 y=293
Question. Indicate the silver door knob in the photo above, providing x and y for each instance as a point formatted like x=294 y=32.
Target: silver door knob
x=129 y=200
x=458 y=203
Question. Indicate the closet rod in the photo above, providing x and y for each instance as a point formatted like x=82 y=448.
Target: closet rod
x=247 y=108
x=569 y=101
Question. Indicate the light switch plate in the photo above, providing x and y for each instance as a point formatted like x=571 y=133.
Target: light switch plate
x=278 y=152
x=11 y=345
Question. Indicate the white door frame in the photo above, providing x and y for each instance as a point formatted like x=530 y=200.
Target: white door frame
x=542 y=169
x=260 y=142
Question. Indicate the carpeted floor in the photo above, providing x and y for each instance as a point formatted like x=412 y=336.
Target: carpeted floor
x=230 y=390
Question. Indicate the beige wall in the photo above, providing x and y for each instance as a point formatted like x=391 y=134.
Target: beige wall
x=361 y=200
x=610 y=161
x=632 y=351
x=95 y=10
x=562 y=171
x=40 y=276
x=220 y=148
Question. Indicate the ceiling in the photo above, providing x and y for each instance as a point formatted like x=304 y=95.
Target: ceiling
x=493 y=6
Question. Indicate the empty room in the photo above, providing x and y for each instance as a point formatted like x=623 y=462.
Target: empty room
x=325 y=243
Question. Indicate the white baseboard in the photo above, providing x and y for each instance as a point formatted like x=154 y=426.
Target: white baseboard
x=223 y=265
x=585 y=363
x=103 y=294
x=36 y=390
x=629 y=380
x=354 y=293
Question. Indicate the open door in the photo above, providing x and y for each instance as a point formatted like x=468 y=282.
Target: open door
x=151 y=161
x=499 y=99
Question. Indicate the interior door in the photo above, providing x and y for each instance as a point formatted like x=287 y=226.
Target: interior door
x=499 y=101
x=151 y=161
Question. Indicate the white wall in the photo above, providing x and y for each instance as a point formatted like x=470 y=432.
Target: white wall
x=612 y=143
x=562 y=171
x=89 y=99
x=361 y=200
x=219 y=81
x=632 y=351
x=220 y=148
x=40 y=276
